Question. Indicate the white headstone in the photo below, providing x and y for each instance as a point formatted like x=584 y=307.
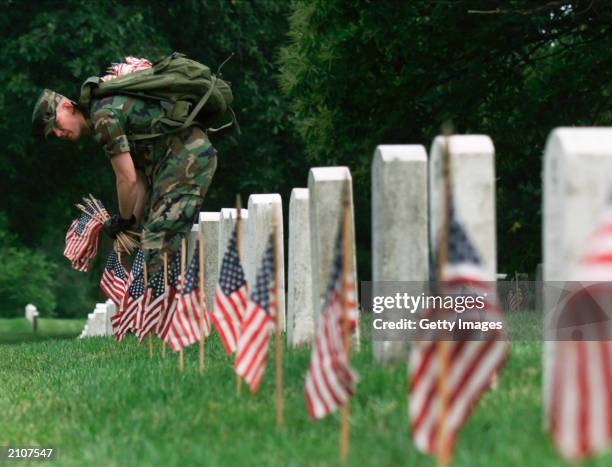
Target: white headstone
x=99 y=320
x=259 y=228
x=91 y=325
x=110 y=312
x=300 y=316
x=400 y=249
x=325 y=188
x=30 y=312
x=227 y=221
x=209 y=224
x=472 y=161
x=577 y=184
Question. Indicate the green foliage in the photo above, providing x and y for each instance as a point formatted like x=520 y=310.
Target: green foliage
x=363 y=73
x=26 y=276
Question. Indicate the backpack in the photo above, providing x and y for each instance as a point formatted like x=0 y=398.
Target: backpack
x=187 y=91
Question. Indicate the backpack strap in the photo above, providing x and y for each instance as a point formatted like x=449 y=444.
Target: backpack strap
x=188 y=121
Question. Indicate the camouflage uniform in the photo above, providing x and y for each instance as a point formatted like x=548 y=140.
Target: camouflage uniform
x=179 y=168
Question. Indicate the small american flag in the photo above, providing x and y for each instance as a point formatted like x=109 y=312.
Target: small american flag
x=187 y=323
x=114 y=279
x=471 y=364
x=133 y=298
x=580 y=415
x=252 y=351
x=330 y=380
x=230 y=298
x=153 y=305
x=171 y=298
x=515 y=299
x=82 y=241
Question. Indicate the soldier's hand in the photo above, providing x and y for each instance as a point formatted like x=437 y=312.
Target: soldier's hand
x=116 y=224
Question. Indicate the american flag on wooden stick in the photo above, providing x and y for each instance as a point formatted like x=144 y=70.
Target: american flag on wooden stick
x=153 y=305
x=230 y=297
x=515 y=299
x=114 y=279
x=252 y=349
x=472 y=364
x=330 y=380
x=580 y=393
x=133 y=298
x=187 y=320
x=169 y=305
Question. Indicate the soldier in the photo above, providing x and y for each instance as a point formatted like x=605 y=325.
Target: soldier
x=161 y=182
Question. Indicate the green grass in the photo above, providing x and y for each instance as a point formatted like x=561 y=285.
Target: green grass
x=18 y=330
x=104 y=403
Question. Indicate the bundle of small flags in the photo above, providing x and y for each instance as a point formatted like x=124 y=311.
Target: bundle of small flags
x=82 y=241
x=130 y=65
x=84 y=233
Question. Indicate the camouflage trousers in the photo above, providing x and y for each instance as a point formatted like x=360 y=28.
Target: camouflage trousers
x=177 y=186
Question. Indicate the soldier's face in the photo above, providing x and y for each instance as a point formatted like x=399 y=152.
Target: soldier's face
x=68 y=121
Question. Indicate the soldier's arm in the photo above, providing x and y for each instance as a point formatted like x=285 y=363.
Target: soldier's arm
x=126 y=181
x=141 y=195
x=109 y=124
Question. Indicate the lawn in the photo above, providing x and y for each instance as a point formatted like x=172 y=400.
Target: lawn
x=105 y=403
x=19 y=330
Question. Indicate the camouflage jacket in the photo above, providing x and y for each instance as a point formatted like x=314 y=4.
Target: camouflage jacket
x=113 y=118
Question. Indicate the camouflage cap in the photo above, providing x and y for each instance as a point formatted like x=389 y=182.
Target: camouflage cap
x=43 y=115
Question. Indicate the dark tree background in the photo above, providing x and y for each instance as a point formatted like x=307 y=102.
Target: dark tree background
x=316 y=82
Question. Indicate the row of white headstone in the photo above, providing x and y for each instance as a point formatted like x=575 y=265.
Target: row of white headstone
x=314 y=219
x=98 y=321
x=406 y=189
x=577 y=188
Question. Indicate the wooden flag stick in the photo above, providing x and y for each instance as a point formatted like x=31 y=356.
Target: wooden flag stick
x=165 y=310
x=182 y=282
x=516 y=287
x=277 y=318
x=443 y=453
x=93 y=215
x=238 y=220
x=346 y=270
x=120 y=306
x=201 y=298
x=144 y=304
x=97 y=205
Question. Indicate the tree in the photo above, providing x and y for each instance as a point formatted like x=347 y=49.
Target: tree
x=363 y=73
